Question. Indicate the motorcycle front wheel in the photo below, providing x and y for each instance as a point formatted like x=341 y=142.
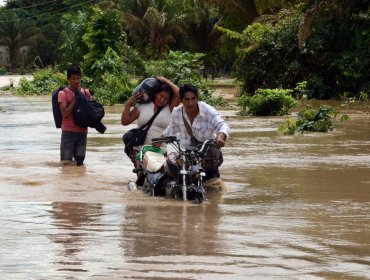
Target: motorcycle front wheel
x=196 y=197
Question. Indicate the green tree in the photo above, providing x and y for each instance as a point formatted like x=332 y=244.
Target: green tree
x=202 y=35
x=243 y=11
x=47 y=16
x=107 y=49
x=16 y=33
x=334 y=59
x=153 y=25
x=73 y=48
x=103 y=34
x=326 y=10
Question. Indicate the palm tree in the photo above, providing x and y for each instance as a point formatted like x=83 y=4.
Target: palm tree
x=16 y=33
x=234 y=14
x=315 y=10
x=325 y=10
x=153 y=24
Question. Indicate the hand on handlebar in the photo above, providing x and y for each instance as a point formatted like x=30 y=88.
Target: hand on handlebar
x=220 y=140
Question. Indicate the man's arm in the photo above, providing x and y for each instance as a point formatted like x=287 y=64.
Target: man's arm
x=222 y=129
x=66 y=110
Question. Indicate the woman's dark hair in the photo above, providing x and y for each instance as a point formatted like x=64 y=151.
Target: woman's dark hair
x=163 y=87
x=185 y=88
x=73 y=70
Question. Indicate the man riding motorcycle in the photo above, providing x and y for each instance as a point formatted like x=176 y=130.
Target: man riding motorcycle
x=195 y=122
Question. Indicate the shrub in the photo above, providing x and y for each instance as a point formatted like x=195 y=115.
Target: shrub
x=44 y=82
x=267 y=102
x=116 y=88
x=2 y=70
x=311 y=120
x=334 y=59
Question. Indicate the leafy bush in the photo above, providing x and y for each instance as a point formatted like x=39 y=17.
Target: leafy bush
x=334 y=59
x=116 y=88
x=184 y=68
x=2 y=70
x=44 y=81
x=311 y=120
x=180 y=67
x=267 y=102
x=267 y=56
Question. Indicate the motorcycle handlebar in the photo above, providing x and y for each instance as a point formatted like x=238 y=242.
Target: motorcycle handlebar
x=205 y=143
x=166 y=139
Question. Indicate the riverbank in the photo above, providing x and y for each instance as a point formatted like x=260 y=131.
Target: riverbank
x=12 y=80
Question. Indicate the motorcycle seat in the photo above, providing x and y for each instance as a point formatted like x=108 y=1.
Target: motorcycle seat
x=153 y=161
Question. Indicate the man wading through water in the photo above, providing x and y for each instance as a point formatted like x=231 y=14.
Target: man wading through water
x=74 y=137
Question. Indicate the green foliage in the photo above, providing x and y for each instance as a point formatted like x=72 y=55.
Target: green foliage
x=115 y=88
x=267 y=56
x=363 y=96
x=301 y=91
x=105 y=41
x=44 y=81
x=312 y=120
x=184 y=68
x=2 y=70
x=334 y=59
x=288 y=127
x=267 y=102
x=47 y=15
x=16 y=34
x=153 y=25
x=106 y=56
x=180 y=67
x=73 y=48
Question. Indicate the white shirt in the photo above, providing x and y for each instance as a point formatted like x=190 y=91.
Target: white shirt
x=207 y=124
x=159 y=124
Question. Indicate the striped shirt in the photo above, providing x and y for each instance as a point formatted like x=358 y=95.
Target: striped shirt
x=207 y=124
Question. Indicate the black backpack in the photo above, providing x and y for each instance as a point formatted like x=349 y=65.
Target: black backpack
x=56 y=109
x=88 y=113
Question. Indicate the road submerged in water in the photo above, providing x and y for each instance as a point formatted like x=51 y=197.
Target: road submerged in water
x=296 y=207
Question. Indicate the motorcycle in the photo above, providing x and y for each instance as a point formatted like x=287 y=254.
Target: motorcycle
x=179 y=175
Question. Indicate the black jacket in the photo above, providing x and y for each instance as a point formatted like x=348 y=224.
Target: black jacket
x=88 y=113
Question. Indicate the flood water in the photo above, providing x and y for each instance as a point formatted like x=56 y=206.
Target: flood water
x=296 y=207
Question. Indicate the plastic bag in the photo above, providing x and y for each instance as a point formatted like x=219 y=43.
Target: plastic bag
x=148 y=88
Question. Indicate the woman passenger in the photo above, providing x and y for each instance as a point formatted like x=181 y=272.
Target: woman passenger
x=166 y=96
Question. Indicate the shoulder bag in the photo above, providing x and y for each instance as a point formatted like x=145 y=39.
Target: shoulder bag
x=212 y=157
x=136 y=136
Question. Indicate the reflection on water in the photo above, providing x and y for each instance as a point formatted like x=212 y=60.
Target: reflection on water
x=296 y=207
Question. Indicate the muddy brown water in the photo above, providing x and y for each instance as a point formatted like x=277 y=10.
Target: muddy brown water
x=296 y=207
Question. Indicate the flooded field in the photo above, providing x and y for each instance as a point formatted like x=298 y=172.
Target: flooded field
x=296 y=207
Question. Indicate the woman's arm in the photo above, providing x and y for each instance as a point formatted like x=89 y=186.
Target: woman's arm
x=128 y=115
x=176 y=97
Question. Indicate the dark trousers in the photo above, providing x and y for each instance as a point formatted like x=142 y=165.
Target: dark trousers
x=73 y=146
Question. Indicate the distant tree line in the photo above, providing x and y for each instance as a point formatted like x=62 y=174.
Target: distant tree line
x=322 y=44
